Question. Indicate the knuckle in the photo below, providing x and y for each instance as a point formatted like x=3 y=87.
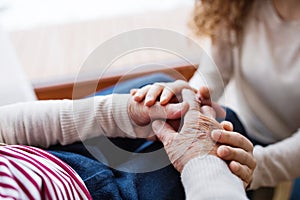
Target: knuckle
x=253 y=166
x=180 y=82
x=240 y=141
x=245 y=157
x=146 y=87
x=251 y=146
x=170 y=89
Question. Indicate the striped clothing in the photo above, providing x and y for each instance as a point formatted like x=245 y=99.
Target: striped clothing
x=31 y=173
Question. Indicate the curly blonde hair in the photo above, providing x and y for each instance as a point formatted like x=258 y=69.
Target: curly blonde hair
x=213 y=17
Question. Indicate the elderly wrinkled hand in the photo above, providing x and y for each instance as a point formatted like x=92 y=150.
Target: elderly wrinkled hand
x=194 y=139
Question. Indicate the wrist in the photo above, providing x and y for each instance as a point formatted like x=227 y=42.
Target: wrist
x=138 y=113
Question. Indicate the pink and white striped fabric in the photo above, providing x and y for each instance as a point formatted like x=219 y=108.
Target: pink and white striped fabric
x=31 y=173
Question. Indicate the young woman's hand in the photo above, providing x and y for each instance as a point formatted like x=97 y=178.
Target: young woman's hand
x=234 y=147
x=237 y=150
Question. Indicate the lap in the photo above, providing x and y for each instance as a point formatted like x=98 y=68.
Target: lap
x=104 y=182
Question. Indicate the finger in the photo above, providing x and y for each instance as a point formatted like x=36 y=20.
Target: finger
x=242 y=171
x=166 y=95
x=164 y=132
x=232 y=139
x=172 y=89
x=204 y=95
x=133 y=91
x=208 y=111
x=152 y=94
x=190 y=97
x=236 y=154
x=179 y=85
x=169 y=111
x=141 y=93
x=227 y=125
x=204 y=91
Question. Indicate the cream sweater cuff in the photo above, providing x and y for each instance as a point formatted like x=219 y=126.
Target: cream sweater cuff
x=210 y=178
x=92 y=117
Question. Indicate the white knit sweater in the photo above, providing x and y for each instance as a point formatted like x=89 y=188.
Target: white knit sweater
x=265 y=90
x=44 y=123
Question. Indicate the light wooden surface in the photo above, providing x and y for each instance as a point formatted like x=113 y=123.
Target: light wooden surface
x=283 y=191
x=88 y=87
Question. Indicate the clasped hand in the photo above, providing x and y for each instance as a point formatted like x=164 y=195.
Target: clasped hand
x=193 y=140
x=231 y=146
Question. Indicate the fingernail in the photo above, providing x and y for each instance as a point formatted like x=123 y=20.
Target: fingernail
x=216 y=134
x=224 y=151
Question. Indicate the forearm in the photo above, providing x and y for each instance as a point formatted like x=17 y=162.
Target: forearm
x=101 y=115
x=277 y=162
x=44 y=123
x=210 y=178
x=30 y=123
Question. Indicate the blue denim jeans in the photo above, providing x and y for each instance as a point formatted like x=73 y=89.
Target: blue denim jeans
x=104 y=182
x=107 y=183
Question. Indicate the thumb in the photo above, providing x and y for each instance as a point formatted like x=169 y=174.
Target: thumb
x=190 y=97
x=208 y=111
x=164 y=132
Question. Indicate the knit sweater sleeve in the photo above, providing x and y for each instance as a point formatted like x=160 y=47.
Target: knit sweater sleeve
x=44 y=123
x=277 y=162
x=210 y=178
